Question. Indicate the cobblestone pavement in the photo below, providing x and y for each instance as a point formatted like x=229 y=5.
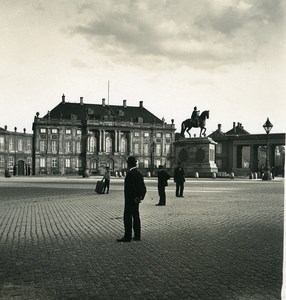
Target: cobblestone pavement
x=223 y=240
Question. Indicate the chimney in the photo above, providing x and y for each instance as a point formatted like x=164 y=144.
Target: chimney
x=141 y=104
x=63 y=98
x=219 y=127
x=81 y=100
x=125 y=103
x=103 y=101
x=5 y=127
x=24 y=130
x=15 y=128
x=233 y=125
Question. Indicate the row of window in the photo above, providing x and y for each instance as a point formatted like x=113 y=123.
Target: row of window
x=19 y=142
x=69 y=162
x=11 y=161
x=76 y=163
x=56 y=130
x=147 y=148
x=147 y=134
x=55 y=148
x=78 y=132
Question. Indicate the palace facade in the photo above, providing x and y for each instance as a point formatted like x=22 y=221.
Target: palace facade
x=83 y=138
x=15 y=152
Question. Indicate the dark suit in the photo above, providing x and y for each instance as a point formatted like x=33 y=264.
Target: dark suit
x=179 y=178
x=163 y=178
x=134 y=187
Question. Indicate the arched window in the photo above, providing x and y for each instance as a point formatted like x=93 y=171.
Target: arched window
x=93 y=165
x=123 y=145
x=108 y=144
x=92 y=144
x=110 y=164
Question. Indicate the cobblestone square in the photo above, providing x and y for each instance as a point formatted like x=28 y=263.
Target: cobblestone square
x=223 y=240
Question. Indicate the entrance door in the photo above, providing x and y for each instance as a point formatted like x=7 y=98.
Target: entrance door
x=21 y=168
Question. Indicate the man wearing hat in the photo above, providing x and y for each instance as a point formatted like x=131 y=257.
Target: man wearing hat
x=179 y=178
x=163 y=178
x=134 y=193
x=106 y=178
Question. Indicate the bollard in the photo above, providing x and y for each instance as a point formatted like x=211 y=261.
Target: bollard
x=120 y=174
x=124 y=174
x=255 y=175
x=149 y=174
x=232 y=175
x=197 y=175
x=214 y=175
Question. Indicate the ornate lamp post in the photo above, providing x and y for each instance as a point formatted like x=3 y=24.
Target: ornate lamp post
x=267 y=174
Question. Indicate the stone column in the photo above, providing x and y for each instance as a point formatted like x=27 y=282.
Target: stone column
x=115 y=141
x=130 y=142
x=103 y=141
x=251 y=160
x=253 y=164
x=119 y=141
x=234 y=164
x=100 y=141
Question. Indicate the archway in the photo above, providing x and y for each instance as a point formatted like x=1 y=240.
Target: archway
x=21 y=168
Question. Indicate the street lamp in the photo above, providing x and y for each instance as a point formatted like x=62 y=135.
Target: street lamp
x=267 y=174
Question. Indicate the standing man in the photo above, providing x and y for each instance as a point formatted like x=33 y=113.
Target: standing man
x=163 y=178
x=134 y=193
x=179 y=178
x=106 y=178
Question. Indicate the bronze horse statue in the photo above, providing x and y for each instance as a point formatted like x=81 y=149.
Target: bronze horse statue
x=190 y=123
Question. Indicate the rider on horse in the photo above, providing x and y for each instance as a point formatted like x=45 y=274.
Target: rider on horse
x=195 y=116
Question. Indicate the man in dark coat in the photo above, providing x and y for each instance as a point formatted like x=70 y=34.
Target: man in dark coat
x=179 y=178
x=163 y=178
x=134 y=193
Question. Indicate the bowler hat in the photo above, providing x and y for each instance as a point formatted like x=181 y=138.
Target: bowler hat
x=131 y=160
x=160 y=167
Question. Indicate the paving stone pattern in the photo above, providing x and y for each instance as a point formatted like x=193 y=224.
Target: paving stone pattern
x=223 y=240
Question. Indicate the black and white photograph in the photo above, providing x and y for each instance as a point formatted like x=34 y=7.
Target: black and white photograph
x=142 y=149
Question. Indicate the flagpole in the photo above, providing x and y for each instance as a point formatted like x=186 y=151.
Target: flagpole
x=108 y=93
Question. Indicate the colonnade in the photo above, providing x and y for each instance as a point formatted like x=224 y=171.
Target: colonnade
x=253 y=157
x=116 y=139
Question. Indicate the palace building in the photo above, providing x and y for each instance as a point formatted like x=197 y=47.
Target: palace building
x=15 y=152
x=84 y=138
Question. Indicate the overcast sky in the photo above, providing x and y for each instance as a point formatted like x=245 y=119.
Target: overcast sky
x=223 y=56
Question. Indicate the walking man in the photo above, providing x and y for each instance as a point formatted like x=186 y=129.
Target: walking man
x=163 y=178
x=134 y=193
x=179 y=178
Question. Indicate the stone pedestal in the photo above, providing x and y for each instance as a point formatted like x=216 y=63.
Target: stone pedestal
x=196 y=155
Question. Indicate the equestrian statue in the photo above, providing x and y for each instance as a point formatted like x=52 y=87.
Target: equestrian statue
x=195 y=121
